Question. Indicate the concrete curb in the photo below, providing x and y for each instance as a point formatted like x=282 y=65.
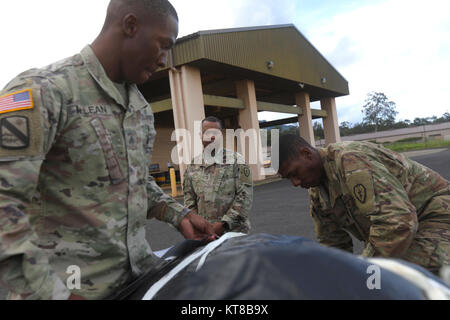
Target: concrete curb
x=423 y=152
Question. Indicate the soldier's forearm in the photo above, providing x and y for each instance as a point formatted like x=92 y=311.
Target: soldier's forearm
x=393 y=231
x=342 y=244
x=369 y=251
x=24 y=267
x=237 y=219
x=188 y=193
x=163 y=207
x=168 y=211
x=189 y=200
x=395 y=248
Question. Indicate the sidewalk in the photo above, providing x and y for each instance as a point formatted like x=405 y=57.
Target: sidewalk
x=423 y=152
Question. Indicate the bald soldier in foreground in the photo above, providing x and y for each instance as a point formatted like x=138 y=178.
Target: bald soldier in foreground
x=398 y=207
x=75 y=147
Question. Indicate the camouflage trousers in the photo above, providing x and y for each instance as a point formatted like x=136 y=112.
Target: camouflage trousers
x=431 y=245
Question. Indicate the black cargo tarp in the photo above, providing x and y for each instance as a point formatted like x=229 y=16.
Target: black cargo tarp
x=266 y=267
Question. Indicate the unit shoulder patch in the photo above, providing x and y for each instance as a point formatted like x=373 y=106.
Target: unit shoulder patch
x=360 y=185
x=15 y=132
x=247 y=172
x=360 y=193
x=245 y=175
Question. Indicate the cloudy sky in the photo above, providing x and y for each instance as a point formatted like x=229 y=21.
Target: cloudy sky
x=399 y=47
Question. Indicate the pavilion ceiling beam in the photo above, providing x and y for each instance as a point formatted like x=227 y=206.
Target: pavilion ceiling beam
x=217 y=101
x=282 y=108
x=317 y=113
x=162 y=105
x=226 y=102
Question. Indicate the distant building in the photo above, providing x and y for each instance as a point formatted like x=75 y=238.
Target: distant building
x=430 y=131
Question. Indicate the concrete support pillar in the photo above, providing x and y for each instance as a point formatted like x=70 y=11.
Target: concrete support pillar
x=248 y=119
x=188 y=110
x=330 y=123
x=305 y=120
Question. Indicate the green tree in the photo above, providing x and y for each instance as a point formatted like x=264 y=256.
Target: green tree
x=378 y=110
x=445 y=118
x=345 y=128
x=421 y=121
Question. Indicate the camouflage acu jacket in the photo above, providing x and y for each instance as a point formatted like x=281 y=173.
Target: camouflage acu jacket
x=377 y=195
x=220 y=191
x=75 y=188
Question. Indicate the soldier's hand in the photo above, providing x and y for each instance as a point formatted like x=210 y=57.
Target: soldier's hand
x=218 y=228
x=194 y=227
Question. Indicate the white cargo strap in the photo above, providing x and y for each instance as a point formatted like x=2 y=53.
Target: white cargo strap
x=154 y=289
x=431 y=288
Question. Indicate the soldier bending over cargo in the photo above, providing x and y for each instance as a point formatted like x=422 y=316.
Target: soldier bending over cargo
x=398 y=207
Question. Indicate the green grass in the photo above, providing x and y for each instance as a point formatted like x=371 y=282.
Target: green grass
x=410 y=146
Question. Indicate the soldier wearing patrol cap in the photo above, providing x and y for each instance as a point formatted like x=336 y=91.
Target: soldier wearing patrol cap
x=76 y=139
x=398 y=207
x=218 y=185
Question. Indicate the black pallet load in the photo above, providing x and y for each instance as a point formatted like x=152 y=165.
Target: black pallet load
x=276 y=267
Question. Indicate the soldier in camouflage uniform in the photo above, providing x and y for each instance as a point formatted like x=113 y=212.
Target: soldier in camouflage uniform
x=398 y=207
x=220 y=189
x=75 y=148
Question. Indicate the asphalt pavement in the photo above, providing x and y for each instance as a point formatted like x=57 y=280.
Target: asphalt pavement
x=280 y=208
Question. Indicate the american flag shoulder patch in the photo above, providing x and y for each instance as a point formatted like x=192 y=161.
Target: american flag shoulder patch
x=19 y=100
